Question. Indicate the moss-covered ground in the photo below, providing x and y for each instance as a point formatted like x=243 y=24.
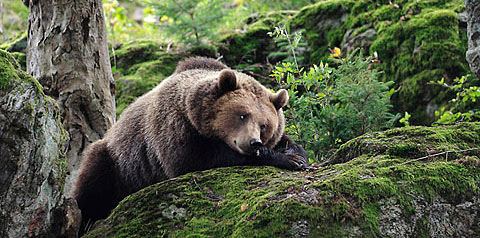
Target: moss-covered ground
x=329 y=201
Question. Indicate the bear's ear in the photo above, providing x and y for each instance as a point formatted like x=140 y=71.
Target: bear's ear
x=279 y=99
x=227 y=81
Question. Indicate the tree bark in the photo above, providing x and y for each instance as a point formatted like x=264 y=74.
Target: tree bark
x=473 y=33
x=68 y=54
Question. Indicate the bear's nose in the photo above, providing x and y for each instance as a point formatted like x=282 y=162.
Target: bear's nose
x=255 y=143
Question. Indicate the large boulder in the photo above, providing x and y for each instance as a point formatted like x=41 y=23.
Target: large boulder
x=33 y=164
x=407 y=182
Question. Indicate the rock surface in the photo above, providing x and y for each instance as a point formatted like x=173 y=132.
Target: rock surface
x=384 y=188
x=473 y=33
x=33 y=165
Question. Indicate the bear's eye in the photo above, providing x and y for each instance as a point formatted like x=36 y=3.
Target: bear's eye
x=263 y=127
x=243 y=117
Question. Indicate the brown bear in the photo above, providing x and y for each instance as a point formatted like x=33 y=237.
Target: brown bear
x=204 y=116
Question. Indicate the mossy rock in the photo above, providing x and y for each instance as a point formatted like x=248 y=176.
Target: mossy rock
x=18 y=44
x=253 y=45
x=378 y=193
x=134 y=52
x=11 y=72
x=253 y=51
x=130 y=87
x=416 y=42
x=33 y=145
x=412 y=142
x=17 y=48
x=21 y=59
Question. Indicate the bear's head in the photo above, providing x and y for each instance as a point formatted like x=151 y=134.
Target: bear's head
x=238 y=110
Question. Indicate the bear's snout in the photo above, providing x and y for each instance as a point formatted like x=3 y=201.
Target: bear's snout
x=255 y=143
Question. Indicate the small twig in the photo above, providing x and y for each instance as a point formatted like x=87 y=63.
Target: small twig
x=195 y=181
x=434 y=155
x=440 y=84
x=292 y=48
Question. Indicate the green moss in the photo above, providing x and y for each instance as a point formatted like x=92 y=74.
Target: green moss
x=8 y=72
x=18 y=44
x=416 y=41
x=421 y=228
x=140 y=66
x=411 y=142
x=135 y=52
x=21 y=58
x=211 y=208
x=267 y=202
x=254 y=45
x=322 y=22
x=246 y=48
x=130 y=87
x=61 y=162
x=163 y=66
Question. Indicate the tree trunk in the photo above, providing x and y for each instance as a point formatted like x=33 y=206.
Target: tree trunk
x=473 y=33
x=68 y=54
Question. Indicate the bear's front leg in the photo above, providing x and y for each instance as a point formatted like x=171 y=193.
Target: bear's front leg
x=286 y=155
x=284 y=160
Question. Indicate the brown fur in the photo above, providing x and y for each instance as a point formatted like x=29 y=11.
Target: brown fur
x=199 y=63
x=191 y=121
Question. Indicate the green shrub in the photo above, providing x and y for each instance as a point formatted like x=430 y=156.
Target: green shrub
x=331 y=105
x=464 y=107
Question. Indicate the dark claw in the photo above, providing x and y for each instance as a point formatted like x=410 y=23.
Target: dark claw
x=291 y=161
x=299 y=162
